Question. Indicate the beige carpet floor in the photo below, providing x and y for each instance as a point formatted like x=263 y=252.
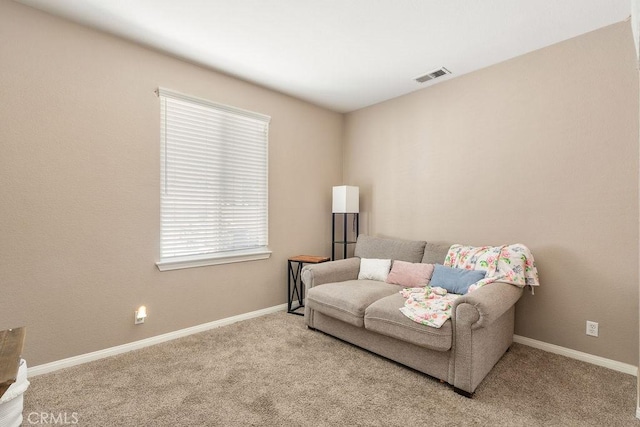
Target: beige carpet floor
x=273 y=371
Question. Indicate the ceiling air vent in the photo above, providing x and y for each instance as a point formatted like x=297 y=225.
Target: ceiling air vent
x=439 y=72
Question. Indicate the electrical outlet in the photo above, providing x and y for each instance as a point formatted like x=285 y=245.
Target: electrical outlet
x=592 y=328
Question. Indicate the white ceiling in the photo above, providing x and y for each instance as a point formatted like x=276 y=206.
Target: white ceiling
x=343 y=54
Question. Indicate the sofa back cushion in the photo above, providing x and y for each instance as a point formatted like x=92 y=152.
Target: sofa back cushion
x=435 y=253
x=395 y=249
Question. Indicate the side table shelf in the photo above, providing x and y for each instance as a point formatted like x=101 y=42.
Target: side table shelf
x=295 y=287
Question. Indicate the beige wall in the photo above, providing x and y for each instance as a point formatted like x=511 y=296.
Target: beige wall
x=79 y=189
x=542 y=150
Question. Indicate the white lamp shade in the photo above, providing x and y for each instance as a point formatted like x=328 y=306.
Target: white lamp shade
x=346 y=199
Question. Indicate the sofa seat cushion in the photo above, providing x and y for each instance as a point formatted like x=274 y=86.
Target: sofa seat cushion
x=348 y=300
x=384 y=317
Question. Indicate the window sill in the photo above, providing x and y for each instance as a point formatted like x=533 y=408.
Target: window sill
x=213 y=259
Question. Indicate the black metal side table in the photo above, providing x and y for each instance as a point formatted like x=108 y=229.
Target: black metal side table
x=297 y=290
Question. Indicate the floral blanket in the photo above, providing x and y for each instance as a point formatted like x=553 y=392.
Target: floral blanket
x=428 y=306
x=513 y=264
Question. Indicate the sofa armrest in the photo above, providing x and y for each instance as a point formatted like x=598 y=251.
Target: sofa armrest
x=485 y=304
x=330 y=272
x=483 y=322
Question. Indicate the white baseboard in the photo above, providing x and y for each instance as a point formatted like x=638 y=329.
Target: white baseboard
x=112 y=351
x=574 y=354
x=638 y=412
x=100 y=354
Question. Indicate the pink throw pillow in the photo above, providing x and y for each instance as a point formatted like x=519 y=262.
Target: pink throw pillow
x=410 y=275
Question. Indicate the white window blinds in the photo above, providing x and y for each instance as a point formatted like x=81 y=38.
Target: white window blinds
x=214 y=188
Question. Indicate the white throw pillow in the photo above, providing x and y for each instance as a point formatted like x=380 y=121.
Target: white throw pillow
x=374 y=269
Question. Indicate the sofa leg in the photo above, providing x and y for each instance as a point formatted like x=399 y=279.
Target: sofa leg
x=463 y=393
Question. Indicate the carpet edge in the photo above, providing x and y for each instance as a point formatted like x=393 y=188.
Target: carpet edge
x=157 y=339
x=578 y=355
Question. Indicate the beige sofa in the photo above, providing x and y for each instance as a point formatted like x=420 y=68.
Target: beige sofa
x=366 y=313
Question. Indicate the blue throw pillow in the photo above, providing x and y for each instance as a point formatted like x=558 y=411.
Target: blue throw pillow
x=455 y=280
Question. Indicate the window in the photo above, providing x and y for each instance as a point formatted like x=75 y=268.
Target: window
x=214 y=188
